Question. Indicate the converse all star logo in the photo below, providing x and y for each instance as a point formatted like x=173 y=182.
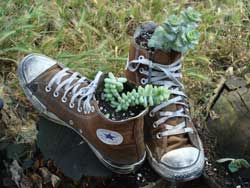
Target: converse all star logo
x=109 y=137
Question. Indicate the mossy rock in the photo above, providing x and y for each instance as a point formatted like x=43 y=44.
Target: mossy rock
x=229 y=120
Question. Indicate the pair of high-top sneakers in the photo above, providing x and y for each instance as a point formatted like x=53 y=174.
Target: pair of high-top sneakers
x=165 y=133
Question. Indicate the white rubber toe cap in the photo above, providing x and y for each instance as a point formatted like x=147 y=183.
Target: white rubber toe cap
x=181 y=158
x=34 y=65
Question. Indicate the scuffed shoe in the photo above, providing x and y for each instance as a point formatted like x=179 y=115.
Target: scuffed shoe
x=70 y=99
x=173 y=146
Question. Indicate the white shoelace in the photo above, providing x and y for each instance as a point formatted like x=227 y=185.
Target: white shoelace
x=82 y=95
x=168 y=76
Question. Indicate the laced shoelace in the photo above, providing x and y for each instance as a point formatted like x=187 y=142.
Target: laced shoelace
x=168 y=76
x=83 y=95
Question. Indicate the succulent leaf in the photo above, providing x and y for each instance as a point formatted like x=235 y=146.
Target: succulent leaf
x=190 y=15
x=157 y=40
x=148 y=96
x=237 y=164
x=177 y=33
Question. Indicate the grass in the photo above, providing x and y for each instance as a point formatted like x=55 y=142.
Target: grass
x=93 y=35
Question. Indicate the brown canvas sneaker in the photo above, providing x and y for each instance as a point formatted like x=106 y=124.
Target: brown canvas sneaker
x=173 y=146
x=70 y=99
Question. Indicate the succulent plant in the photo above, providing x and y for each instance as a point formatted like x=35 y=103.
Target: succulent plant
x=178 y=33
x=234 y=165
x=190 y=15
x=148 y=96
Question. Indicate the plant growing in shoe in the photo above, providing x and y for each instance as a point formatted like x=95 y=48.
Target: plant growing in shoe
x=178 y=33
x=122 y=101
x=173 y=146
x=72 y=100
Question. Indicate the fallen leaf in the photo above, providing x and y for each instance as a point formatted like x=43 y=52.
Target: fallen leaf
x=46 y=175
x=55 y=181
x=16 y=172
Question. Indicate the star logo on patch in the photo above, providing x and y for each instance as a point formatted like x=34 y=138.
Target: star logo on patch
x=109 y=136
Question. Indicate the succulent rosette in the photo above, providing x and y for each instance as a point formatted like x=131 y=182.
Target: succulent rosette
x=172 y=24
x=177 y=33
x=157 y=40
x=178 y=45
x=190 y=15
x=192 y=37
x=189 y=40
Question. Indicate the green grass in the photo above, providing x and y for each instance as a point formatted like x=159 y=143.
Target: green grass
x=92 y=35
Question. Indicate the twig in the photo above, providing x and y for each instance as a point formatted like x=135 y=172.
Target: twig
x=216 y=94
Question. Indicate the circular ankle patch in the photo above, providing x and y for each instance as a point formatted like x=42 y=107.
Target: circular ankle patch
x=109 y=137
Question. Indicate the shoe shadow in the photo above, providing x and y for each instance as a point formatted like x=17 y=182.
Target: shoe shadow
x=68 y=151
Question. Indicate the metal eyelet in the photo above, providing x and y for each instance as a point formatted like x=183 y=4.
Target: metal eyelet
x=144 y=81
x=79 y=109
x=71 y=105
x=155 y=125
x=141 y=70
x=151 y=114
x=55 y=94
x=158 y=135
x=71 y=122
x=64 y=99
x=47 y=89
x=141 y=57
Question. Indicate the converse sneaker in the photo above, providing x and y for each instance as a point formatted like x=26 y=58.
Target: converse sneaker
x=173 y=146
x=69 y=99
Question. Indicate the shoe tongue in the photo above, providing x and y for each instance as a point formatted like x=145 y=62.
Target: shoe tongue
x=177 y=120
x=172 y=108
x=175 y=141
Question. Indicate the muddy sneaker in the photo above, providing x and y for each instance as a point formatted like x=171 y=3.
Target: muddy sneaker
x=70 y=99
x=173 y=146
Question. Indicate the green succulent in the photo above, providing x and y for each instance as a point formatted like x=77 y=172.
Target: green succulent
x=172 y=24
x=148 y=96
x=190 y=15
x=234 y=164
x=237 y=164
x=157 y=40
x=177 y=33
x=190 y=38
